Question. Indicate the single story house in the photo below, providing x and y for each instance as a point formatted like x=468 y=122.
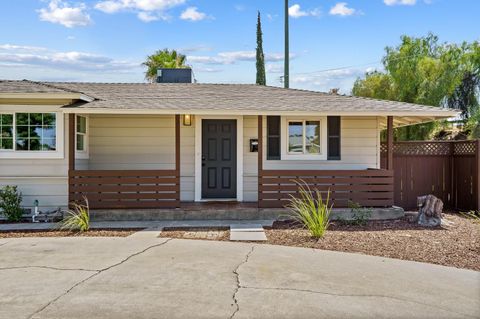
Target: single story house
x=160 y=145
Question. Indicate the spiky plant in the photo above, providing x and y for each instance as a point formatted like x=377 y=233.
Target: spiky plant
x=77 y=218
x=310 y=209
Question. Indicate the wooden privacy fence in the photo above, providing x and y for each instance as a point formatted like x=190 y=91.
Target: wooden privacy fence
x=372 y=188
x=126 y=189
x=446 y=169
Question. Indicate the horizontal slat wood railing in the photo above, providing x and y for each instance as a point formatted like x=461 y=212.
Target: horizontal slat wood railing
x=370 y=188
x=126 y=189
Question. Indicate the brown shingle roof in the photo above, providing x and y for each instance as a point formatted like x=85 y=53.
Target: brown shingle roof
x=25 y=86
x=226 y=97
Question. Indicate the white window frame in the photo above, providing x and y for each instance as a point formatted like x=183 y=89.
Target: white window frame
x=59 y=139
x=85 y=154
x=304 y=156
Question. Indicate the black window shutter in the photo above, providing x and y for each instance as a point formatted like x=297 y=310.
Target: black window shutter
x=333 y=127
x=273 y=137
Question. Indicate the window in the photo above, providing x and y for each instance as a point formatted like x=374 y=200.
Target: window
x=304 y=137
x=81 y=133
x=35 y=131
x=6 y=131
x=31 y=135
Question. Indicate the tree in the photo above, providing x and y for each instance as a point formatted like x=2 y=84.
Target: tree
x=424 y=71
x=166 y=59
x=261 y=78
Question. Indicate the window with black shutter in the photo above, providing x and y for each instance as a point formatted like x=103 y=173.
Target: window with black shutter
x=273 y=137
x=333 y=138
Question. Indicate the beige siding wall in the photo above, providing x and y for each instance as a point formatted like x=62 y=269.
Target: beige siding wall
x=359 y=148
x=187 y=163
x=250 y=160
x=142 y=142
x=132 y=142
x=42 y=179
x=148 y=142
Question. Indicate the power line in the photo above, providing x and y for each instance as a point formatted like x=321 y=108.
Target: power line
x=353 y=66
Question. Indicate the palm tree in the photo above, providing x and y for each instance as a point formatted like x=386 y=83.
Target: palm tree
x=166 y=59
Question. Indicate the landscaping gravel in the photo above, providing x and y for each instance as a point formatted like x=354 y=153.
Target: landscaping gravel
x=456 y=245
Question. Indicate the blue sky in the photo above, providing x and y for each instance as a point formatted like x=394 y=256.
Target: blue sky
x=332 y=42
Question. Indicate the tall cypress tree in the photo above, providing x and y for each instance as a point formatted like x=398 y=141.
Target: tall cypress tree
x=261 y=78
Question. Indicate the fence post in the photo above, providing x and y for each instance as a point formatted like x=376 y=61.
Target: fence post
x=477 y=172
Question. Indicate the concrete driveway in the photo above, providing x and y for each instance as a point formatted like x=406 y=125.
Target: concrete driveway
x=162 y=278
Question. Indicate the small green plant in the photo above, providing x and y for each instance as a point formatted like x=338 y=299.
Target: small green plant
x=360 y=215
x=310 y=210
x=474 y=215
x=10 y=200
x=77 y=218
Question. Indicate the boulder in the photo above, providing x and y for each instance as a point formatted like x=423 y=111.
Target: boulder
x=429 y=211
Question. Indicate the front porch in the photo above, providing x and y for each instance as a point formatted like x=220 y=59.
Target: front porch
x=162 y=190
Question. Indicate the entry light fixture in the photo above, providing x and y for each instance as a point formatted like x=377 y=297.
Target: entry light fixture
x=187 y=120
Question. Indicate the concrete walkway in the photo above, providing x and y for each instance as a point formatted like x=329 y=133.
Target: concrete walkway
x=164 y=278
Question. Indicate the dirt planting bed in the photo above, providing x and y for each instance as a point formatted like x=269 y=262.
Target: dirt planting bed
x=456 y=245
x=59 y=233
x=205 y=233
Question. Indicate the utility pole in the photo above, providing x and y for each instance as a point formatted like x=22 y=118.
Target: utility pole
x=286 y=76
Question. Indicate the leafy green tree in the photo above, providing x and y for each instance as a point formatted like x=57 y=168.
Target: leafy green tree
x=261 y=78
x=166 y=59
x=424 y=71
x=376 y=85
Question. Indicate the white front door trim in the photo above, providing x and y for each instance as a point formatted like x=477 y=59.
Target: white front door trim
x=198 y=153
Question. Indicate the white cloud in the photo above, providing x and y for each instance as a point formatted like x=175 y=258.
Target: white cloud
x=324 y=81
x=146 y=10
x=400 y=2
x=20 y=48
x=239 y=7
x=295 y=11
x=274 y=68
x=232 y=57
x=192 y=14
x=195 y=48
x=68 y=60
x=59 y=11
x=70 y=37
x=149 y=17
x=342 y=9
x=113 y=6
x=271 y=17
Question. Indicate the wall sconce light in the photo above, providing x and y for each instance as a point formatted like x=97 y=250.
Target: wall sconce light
x=187 y=120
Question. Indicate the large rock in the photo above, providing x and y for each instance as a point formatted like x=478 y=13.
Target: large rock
x=429 y=211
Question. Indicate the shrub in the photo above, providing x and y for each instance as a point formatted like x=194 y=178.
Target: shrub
x=310 y=210
x=77 y=218
x=10 y=200
x=360 y=215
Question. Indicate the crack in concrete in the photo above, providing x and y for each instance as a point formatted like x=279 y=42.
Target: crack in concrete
x=354 y=295
x=97 y=272
x=3 y=244
x=49 y=267
x=237 y=278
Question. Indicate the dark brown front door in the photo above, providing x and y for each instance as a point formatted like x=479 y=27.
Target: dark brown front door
x=219 y=159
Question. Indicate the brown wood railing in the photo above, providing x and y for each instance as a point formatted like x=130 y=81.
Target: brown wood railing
x=126 y=188
x=370 y=188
